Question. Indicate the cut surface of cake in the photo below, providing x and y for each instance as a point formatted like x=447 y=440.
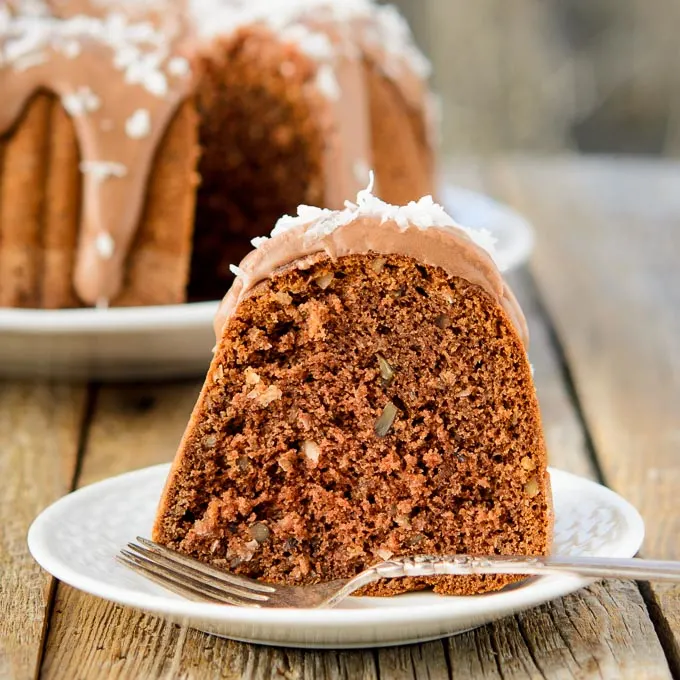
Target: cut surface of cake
x=143 y=144
x=370 y=396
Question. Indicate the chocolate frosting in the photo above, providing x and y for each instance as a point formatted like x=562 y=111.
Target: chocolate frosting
x=122 y=67
x=420 y=231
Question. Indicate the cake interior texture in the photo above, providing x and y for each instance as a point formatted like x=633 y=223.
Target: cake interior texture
x=355 y=410
x=262 y=150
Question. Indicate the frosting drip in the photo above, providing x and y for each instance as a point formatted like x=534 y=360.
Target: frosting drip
x=122 y=67
x=422 y=231
x=110 y=74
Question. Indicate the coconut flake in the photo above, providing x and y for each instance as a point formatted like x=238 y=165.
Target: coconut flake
x=178 y=67
x=102 y=170
x=80 y=102
x=30 y=61
x=138 y=125
x=359 y=21
x=361 y=170
x=139 y=49
x=423 y=214
x=327 y=82
x=71 y=49
x=105 y=245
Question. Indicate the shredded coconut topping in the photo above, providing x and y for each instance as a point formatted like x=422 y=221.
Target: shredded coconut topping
x=139 y=48
x=327 y=82
x=105 y=245
x=80 y=102
x=422 y=214
x=178 y=66
x=103 y=169
x=378 y=25
x=138 y=125
x=361 y=170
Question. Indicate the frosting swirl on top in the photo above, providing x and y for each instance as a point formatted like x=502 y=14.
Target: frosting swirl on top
x=421 y=230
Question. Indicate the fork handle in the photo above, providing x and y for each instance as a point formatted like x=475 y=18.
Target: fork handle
x=467 y=565
x=590 y=567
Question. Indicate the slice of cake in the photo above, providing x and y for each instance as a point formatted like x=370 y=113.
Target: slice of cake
x=370 y=396
x=143 y=144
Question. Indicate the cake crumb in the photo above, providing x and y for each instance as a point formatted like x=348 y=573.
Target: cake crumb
x=315 y=320
x=527 y=463
x=531 y=487
x=378 y=264
x=266 y=396
x=311 y=450
x=283 y=298
x=324 y=280
x=252 y=378
x=287 y=461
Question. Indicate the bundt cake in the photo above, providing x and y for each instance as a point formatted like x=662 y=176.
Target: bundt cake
x=370 y=396
x=144 y=143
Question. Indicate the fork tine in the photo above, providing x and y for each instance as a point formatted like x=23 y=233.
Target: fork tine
x=195 y=581
x=184 y=591
x=178 y=583
x=205 y=569
x=191 y=572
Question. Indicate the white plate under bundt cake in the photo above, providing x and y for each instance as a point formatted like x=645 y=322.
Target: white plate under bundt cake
x=369 y=396
x=143 y=144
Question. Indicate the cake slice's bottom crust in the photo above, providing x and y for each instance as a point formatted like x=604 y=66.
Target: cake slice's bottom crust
x=281 y=474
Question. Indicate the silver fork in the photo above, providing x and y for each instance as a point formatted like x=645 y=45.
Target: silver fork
x=197 y=581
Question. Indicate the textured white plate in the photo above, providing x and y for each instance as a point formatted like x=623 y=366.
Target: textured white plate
x=176 y=340
x=77 y=538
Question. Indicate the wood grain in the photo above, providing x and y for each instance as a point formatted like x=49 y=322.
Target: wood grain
x=39 y=430
x=607 y=265
x=426 y=660
x=135 y=426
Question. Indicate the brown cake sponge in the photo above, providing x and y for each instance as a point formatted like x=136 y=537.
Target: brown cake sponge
x=356 y=409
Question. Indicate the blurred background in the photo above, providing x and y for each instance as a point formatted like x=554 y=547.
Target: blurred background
x=553 y=75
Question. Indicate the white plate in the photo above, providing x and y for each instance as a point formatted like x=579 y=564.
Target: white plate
x=77 y=538
x=175 y=341
x=514 y=235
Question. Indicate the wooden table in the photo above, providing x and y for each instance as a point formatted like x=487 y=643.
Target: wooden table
x=603 y=300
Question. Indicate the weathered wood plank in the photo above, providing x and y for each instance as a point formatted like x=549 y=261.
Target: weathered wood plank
x=39 y=433
x=607 y=265
x=420 y=662
x=135 y=426
x=605 y=632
